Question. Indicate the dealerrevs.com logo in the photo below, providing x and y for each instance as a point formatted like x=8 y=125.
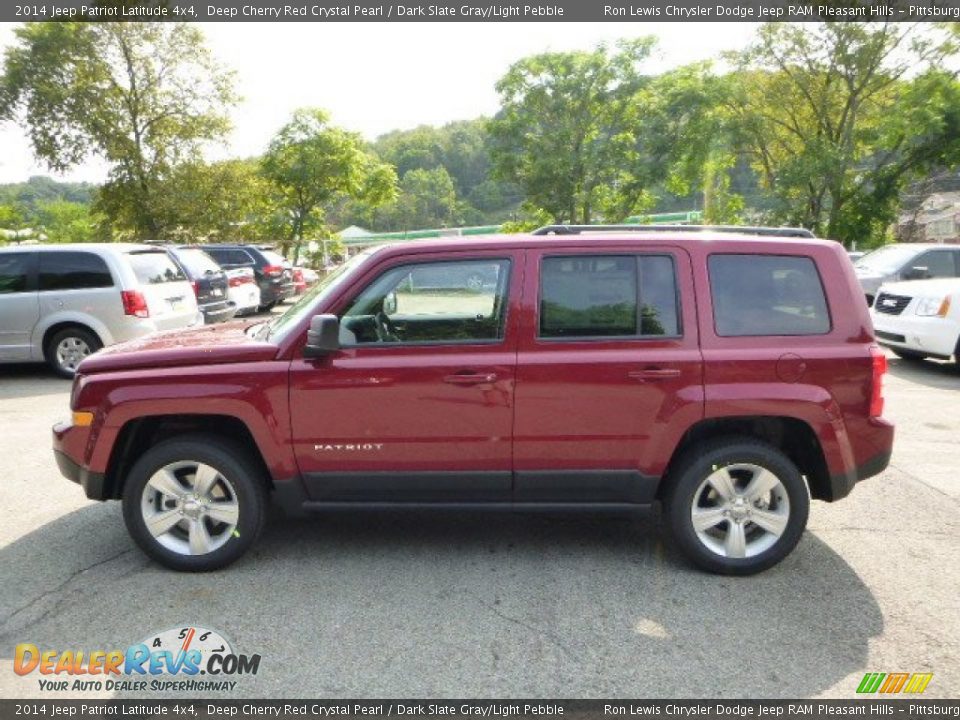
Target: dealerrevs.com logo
x=186 y=658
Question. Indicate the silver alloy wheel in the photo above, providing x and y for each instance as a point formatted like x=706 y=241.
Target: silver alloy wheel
x=740 y=510
x=70 y=351
x=190 y=508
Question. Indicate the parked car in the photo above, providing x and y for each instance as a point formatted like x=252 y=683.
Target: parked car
x=920 y=318
x=243 y=290
x=906 y=261
x=274 y=273
x=310 y=277
x=60 y=303
x=855 y=255
x=209 y=281
x=612 y=373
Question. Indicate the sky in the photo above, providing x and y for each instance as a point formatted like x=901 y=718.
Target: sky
x=377 y=77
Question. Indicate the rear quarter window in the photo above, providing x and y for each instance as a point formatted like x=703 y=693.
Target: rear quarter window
x=155 y=268
x=14 y=272
x=767 y=295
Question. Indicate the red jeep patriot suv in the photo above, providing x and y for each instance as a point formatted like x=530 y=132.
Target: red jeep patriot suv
x=730 y=376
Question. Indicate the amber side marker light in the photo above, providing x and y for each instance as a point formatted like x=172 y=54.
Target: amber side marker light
x=82 y=419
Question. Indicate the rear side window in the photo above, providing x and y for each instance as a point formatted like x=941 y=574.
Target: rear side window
x=73 y=271
x=586 y=296
x=197 y=262
x=230 y=256
x=767 y=295
x=14 y=272
x=155 y=268
x=273 y=258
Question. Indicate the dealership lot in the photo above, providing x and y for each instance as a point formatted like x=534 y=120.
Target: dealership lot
x=462 y=605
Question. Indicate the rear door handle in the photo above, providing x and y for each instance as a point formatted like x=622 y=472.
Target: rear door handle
x=653 y=374
x=470 y=378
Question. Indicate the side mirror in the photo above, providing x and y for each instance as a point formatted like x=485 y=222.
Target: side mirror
x=390 y=303
x=917 y=272
x=323 y=337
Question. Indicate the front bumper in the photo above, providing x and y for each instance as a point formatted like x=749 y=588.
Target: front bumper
x=935 y=336
x=68 y=443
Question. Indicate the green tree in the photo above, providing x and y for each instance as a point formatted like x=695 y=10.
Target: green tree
x=63 y=221
x=141 y=96
x=427 y=199
x=568 y=126
x=228 y=200
x=312 y=164
x=836 y=117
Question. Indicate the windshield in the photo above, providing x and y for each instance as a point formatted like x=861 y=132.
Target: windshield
x=886 y=260
x=280 y=326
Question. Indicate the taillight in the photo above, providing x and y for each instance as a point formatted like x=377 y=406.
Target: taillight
x=876 y=381
x=196 y=289
x=134 y=303
x=241 y=280
x=273 y=270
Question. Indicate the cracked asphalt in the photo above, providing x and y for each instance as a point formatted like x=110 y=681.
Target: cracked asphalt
x=468 y=605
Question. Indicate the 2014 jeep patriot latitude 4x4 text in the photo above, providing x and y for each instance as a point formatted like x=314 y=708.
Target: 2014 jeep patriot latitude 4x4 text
x=729 y=376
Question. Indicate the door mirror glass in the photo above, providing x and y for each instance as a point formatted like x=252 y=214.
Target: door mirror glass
x=390 y=303
x=323 y=337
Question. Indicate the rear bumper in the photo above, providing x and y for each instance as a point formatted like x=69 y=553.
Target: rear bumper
x=270 y=293
x=842 y=485
x=67 y=439
x=221 y=312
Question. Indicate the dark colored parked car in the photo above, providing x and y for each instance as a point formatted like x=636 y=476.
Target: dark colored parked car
x=210 y=282
x=274 y=273
x=727 y=377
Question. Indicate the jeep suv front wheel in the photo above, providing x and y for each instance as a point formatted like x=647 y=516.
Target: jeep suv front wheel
x=194 y=503
x=737 y=506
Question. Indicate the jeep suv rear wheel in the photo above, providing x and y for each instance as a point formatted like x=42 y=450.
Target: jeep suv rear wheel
x=737 y=506
x=194 y=503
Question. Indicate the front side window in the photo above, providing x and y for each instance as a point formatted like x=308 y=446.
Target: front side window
x=155 y=268
x=73 y=271
x=937 y=264
x=767 y=295
x=614 y=296
x=14 y=272
x=439 y=302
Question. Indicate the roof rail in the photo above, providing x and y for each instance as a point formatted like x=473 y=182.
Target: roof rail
x=791 y=232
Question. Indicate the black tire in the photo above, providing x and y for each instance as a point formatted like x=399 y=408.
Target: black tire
x=690 y=474
x=234 y=464
x=909 y=355
x=66 y=367
x=268 y=307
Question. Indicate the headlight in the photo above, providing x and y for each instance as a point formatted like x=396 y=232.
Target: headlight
x=931 y=306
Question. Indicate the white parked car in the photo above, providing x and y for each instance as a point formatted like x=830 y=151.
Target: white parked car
x=919 y=318
x=60 y=303
x=243 y=290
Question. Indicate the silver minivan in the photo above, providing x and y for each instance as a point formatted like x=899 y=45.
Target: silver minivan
x=59 y=303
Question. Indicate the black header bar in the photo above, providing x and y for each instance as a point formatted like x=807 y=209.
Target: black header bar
x=481 y=10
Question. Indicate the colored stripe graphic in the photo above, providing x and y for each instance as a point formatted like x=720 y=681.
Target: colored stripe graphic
x=870 y=682
x=918 y=682
x=893 y=683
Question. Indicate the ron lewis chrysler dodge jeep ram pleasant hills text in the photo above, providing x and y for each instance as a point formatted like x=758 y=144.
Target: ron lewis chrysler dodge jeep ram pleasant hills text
x=727 y=377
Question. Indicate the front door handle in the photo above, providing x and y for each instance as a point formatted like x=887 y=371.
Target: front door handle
x=470 y=378
x=653 y=373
